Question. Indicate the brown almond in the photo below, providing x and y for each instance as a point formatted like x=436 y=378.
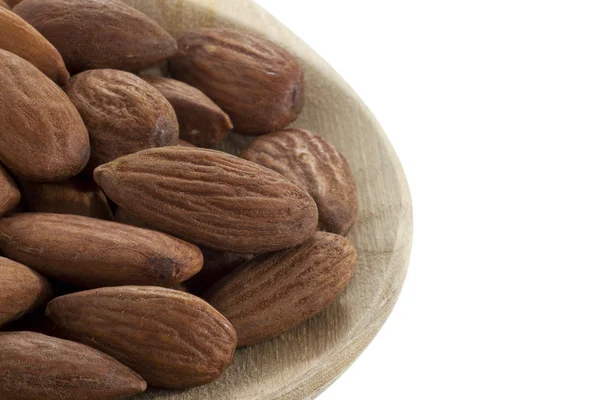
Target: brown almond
x=10 y=195
x=211 y=198
x=4 y=5
x=94 y=34
x=275 y=292
x=123 y=114
x=201 y=121
x=12 y=3
x=22 y=290
x=39 y=367
x=77 y=196
x=92 y=253
x=183 y=143
x=172 y=339
x=42 y=136
x=125 y=217
x=256 y=82
x=20 y=38
x=316 y=166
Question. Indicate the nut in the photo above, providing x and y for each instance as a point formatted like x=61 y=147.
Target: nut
x=10 y=195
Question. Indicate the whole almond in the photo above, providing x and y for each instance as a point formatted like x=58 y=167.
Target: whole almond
x=172 y=339
x=42 y=136
x=256 y=82
x=275 y=292
x=4 y=5
x=123 y=114
x=39 y=367
x=183 y=143
x=92 y=253
x=10 y=195
x=317 y=167
x=20 y=38
x=211 y=198
x=201 y=121
x=77 y=196
x=93 y=34
x=22 y=290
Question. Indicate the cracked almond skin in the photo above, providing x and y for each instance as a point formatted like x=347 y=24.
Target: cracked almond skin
x=275 y=292
x=34 y=366
x=20 y=38
x=316 y=166
x=257 y=83
x=211 y=198
x=172 y=339
x=77 y=196
x=42 y=136
x=123 y=114
x=10 y=196
x=201 y=121
x=95 y=34
x=22 y=290
x=89 y=252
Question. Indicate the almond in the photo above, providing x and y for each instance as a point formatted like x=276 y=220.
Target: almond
x=91 y=253
x=39 y=367
x=275 y=292
x=217 y=264
x=20 y=38
x=76 y=196
x=256 y=82
x=4 y=5
x=123 y=114
x=183 y=143
x=201 y=121
x=172 y=339
x=10 y=195
x=42 y=136
x=316 y=166
x=21 y=290
x=211 y=198
x=93 y=34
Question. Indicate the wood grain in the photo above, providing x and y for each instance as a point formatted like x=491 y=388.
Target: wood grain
x=306 y=360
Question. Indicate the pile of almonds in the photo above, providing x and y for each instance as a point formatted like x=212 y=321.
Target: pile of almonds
x=133 y=255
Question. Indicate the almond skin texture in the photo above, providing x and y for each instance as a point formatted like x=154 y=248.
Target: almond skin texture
x=201 y=121
x=42 y=136
x=171 y=338
x=211 y=198
x=89 y=252
x=256 y=82
x=20 y=38
x=77 y=196
x=94 y=34
x=217 y=264
x=10 y=195
x=317 y=167
x=39 y=367
x=123 y=114
x=4 y=5
x=22 y=290
x=275 y=292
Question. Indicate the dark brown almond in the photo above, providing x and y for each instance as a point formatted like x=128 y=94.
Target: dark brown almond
x=123 y=114
x=20 y=38
x=10 y=195
x=172 y=339
x=93 y=34
x=201 y=121
x=22 y=290
x=42 y=136
x=77 y=196
x=217 y=264
x=316 y=166
x=183 y=143
x=256 y=82
x=39 y=367
x=275 y=292
x=13 y=3
x=92 y=253
x=211 y=198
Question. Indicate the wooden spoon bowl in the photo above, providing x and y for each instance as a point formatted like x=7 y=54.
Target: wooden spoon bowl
x=306 y=360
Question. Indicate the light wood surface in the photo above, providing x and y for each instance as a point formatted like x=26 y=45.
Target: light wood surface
x=305 y=361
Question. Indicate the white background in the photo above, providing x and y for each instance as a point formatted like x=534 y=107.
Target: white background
x=494 y=110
